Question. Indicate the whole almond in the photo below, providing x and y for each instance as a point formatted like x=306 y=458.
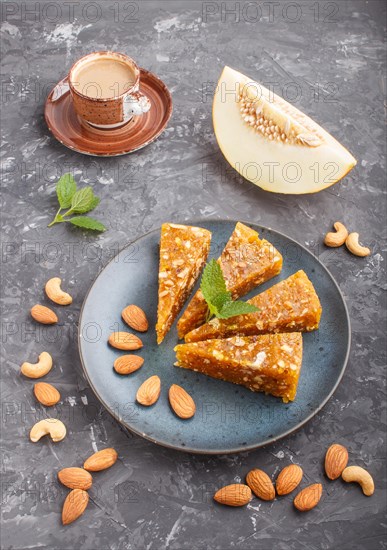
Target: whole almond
x=288 y=479
x=261 y=484
x=308 y=498
x=75 y=478
x=135 y=318
x=74 y=505
x=44 y=315
x=336 y=459
x=126 y=364
x=181 y=402
x=149 y=391
x=46 y=394
x=125 y=341
x=101 y=460
x=236 y=494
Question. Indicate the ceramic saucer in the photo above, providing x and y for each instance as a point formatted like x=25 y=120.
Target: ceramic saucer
x=77 y=135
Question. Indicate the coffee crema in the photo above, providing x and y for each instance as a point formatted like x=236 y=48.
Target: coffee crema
x=105 y=77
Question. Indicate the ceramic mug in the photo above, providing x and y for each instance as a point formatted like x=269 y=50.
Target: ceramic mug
x=118 y=106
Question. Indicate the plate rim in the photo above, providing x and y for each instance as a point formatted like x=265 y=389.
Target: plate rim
x=236 y=450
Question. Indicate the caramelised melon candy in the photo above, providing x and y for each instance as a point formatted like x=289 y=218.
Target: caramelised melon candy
x=246 y=261
x=272 y=143
x=183 y=253
x=291 y=305
x=269 y=363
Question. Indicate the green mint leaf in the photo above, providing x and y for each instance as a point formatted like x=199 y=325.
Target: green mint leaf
x=83 y=201
x=87 y=223
x=218 y=298
x=231 y=309
x=213 y=284
x=65 y=190
x=221 y=300
x=95 y=202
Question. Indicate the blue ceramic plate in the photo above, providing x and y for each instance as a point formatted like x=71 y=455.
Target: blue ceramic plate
x=229 y=418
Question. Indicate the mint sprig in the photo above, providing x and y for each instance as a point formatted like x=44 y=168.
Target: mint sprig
x=218 y=298
x=76 y=201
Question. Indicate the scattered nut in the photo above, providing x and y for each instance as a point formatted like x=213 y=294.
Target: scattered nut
x=261 y=484
x=75 y=478
x=126 y=364
x=352 y=243
x=308 y=498
x=39 y=369
x=181 y=402
x=46 y=394
x=135 y=318
x=149 y=391
x=74 y=505
x=236 y=494
x=360 y=476
x=288 y=479
x=56 y=294
x=125 y=341
x=336 y=239
x=44 y=315
x=49 y=426
x=336 y=460
x=101 y=460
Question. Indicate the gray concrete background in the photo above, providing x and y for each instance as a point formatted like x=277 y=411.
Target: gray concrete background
x=156 y=498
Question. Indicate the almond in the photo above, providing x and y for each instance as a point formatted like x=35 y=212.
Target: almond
x=101 y=460
x=149 y=391
x=308 y=498
x=261 y=484
x=336 y=460
x=74 y=505
x=288 y=479
x=233 y=495
x=181 y=402
x=135 y=318
x=44 y=315
x=75 y=478
x=125 y=341
x=126 y=364
x=46 y=394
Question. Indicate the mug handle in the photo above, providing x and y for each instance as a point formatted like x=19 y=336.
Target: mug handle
x=137 y=103
x=60 y=89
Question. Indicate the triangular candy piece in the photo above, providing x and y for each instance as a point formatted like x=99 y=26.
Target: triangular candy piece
x=269 y=363
x=289 y=306
x=247 y=261
x=183 y=253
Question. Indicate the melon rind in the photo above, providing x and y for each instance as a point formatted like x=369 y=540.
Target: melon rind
x=273 y=165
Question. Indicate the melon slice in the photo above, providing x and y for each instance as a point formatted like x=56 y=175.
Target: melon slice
x=270 y=142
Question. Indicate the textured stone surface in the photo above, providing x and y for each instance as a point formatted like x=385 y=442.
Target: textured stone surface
x=154 y=497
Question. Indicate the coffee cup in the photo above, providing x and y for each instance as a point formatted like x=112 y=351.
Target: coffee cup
x=105 y=89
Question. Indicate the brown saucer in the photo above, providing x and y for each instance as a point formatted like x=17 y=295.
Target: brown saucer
x=68 y=128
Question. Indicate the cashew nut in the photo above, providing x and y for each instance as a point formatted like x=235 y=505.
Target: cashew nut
x=337 y=238
x=56 y=294
x=39 y=369
x=360 y=476
x=49 y=426
x=352 y=243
